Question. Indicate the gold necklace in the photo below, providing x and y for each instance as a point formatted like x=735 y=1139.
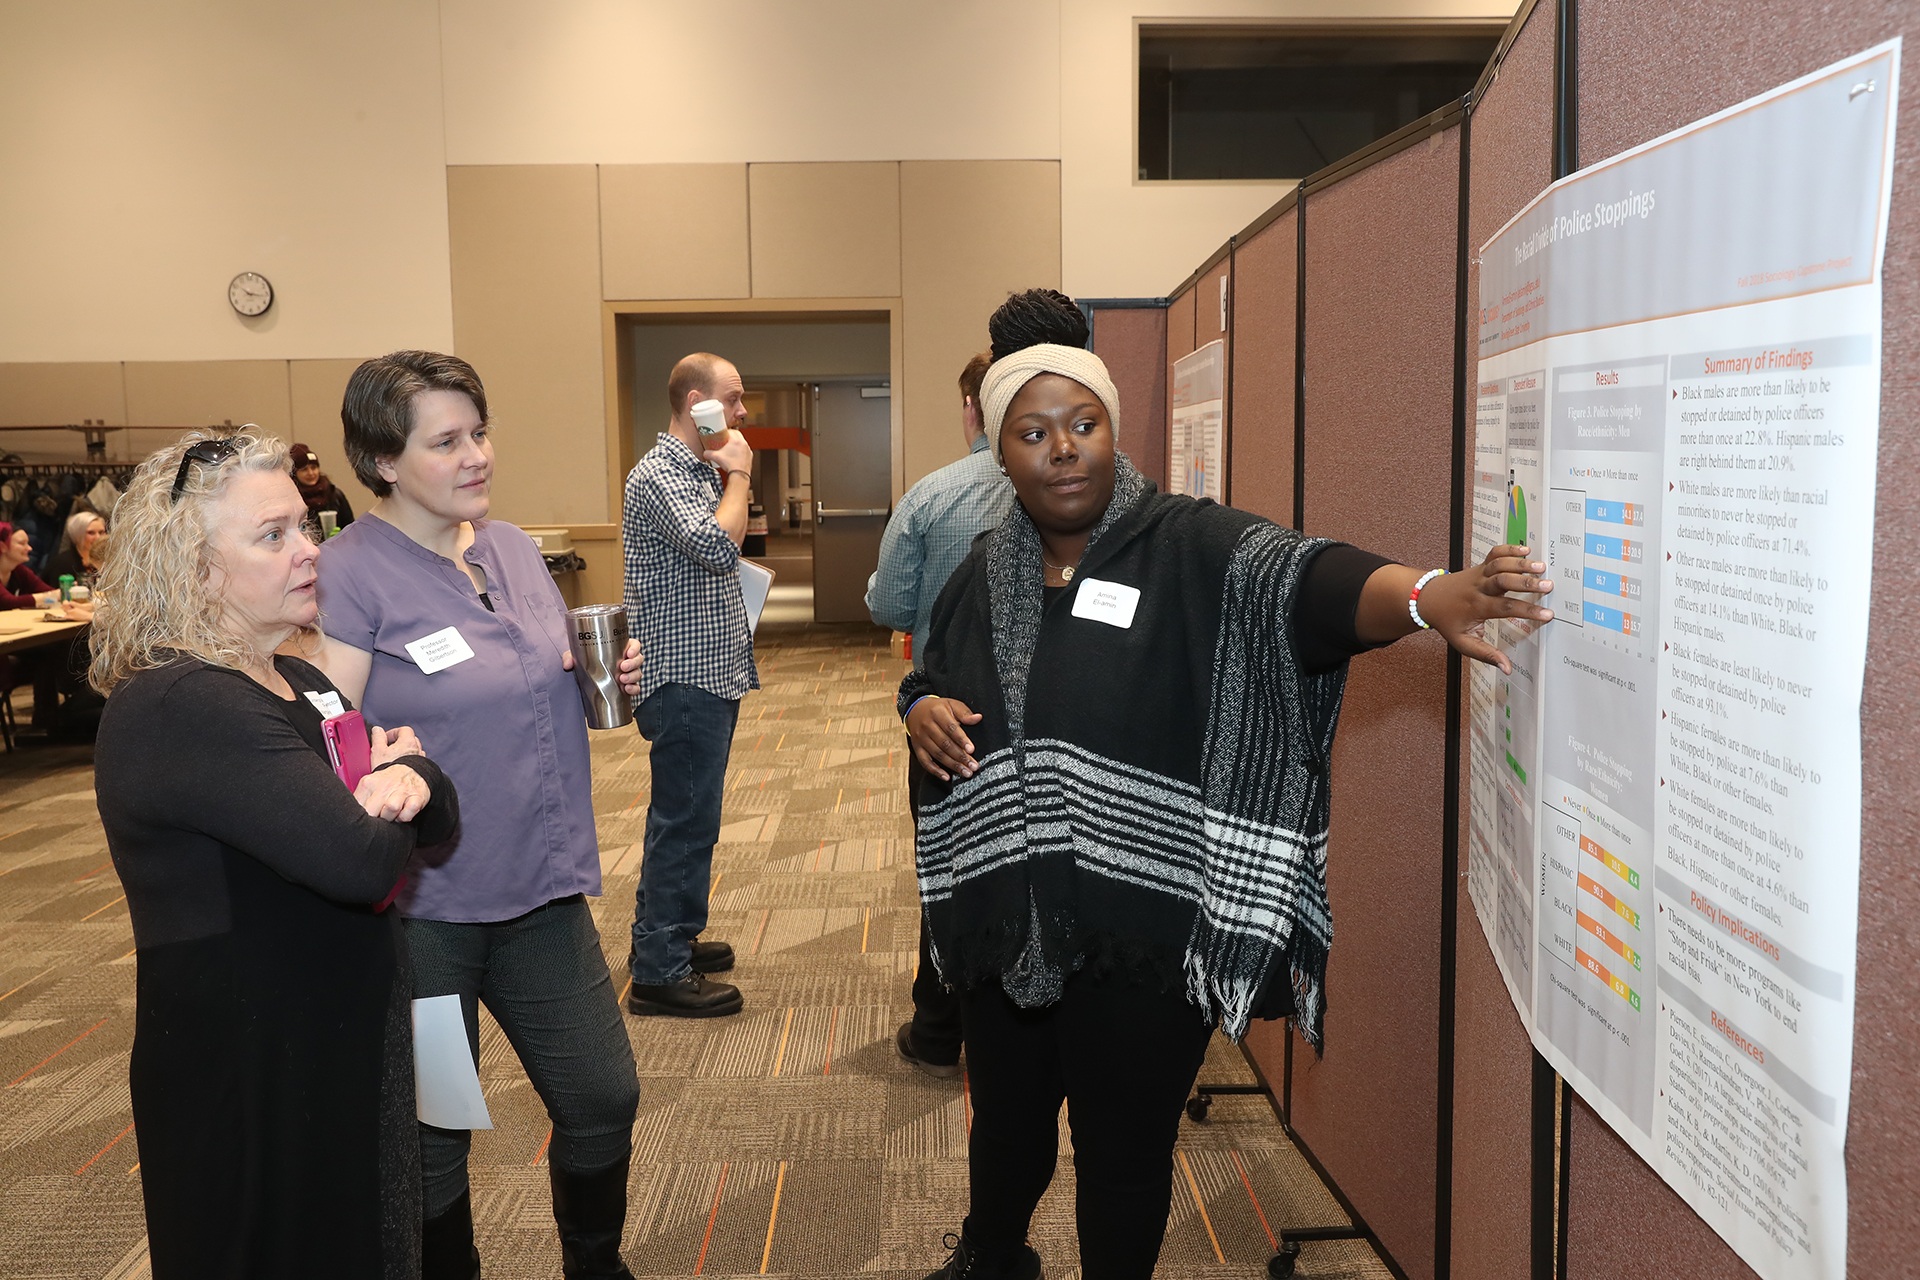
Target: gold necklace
x=1065 y=571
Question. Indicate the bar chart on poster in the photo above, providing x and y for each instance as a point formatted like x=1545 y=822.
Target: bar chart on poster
x=1196 y=437
x=1678 y=411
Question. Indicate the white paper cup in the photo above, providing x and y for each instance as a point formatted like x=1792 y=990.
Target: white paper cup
x=710 y=418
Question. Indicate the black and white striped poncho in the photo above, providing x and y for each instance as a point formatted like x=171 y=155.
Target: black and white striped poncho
x=1151 y=799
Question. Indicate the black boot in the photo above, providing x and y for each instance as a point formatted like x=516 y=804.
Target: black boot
x=446 y=1243
x=591 y=1211
x=967 y=1262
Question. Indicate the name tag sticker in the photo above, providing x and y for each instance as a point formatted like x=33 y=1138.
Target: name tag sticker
x=328 y=704
x=440 y=650
x=1110 y=602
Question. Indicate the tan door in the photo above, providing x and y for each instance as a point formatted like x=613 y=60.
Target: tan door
x=852 y=493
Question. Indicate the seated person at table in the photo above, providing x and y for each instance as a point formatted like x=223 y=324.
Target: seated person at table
x=20 y=587
x=79 y=553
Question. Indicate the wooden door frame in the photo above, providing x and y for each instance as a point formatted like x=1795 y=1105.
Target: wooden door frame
x=617 y=365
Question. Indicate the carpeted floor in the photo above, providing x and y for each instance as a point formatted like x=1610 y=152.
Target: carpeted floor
x=789 y=1140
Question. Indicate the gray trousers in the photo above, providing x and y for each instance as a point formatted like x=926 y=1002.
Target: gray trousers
x=543 y=978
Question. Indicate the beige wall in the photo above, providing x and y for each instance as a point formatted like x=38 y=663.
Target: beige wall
x=576 y=81
x=673 y=231
x=151 y=152
x=1129 y=239
x=973 y=232
x=315 y=388
x=824 y=230
x=526 y=313
x=485 y=174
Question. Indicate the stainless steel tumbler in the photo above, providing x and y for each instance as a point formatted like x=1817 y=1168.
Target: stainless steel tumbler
x=597 y=634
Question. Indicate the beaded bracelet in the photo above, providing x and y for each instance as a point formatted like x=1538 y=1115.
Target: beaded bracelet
x=1413 y=601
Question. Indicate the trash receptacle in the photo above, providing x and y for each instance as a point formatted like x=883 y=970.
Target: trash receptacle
x=755 y=543
x=563 y=562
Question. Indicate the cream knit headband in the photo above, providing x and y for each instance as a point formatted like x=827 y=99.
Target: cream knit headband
x=1005 y=378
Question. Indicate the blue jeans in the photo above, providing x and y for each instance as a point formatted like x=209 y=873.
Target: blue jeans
x=544 y=979
x=692 y=733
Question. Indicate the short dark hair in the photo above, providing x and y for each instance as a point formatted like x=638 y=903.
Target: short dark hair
x=973 y=375
x=696 y=372
x=377 y=411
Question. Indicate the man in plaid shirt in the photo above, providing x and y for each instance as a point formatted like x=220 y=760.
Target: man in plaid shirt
x=682 y=522
x=929 y=535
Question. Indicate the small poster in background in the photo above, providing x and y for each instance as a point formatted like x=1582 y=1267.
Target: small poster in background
x=1196 y=437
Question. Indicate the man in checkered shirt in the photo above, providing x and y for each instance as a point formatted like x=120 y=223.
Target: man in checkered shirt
x=681 y=524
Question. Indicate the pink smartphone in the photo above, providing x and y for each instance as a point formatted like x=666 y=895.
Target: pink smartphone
x=347 y=747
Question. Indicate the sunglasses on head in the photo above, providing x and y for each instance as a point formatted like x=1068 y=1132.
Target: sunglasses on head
x=207 y=452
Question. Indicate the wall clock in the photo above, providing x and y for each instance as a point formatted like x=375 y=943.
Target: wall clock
x=250 y=293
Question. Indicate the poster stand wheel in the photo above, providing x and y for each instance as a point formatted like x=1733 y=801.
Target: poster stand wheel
x=1203 y=1095
x=1280 y=1266
x=1287 y=1254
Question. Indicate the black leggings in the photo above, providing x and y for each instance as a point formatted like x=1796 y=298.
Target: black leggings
x=545 y=981
x=1123 y=1057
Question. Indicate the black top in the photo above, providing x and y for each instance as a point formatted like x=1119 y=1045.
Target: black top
x=1324 y=635
x=1323 y=632
x=1153 y=780
x=67 y=560
x=271 y=1074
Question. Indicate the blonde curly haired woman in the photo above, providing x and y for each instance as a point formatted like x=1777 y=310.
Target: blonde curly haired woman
x=272 y=1074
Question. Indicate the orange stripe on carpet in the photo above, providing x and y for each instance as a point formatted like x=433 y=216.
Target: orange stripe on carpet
x=1258 y=1212
x=786 y=1032
x=43 y=973
x=779 y=1183
x=97 y=910
x=1201 y=1205
x=713 y=1215
x=102 y=1151
x=56 y=1053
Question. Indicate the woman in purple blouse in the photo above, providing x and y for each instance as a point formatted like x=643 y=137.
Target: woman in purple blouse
x=439 y=618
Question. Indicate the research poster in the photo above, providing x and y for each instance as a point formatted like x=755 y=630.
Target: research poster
x=1196 y=437
x=1678 y=410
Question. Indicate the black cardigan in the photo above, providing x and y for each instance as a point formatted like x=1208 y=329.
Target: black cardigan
x=1152 y=796
x=272 y=1061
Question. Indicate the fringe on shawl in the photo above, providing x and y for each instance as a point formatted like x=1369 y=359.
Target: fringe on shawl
x=1264 y=771
x=1264 y=779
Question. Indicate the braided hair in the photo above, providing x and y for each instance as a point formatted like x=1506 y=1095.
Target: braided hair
x=1036 y=316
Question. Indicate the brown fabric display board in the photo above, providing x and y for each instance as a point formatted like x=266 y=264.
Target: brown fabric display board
x=1646 y=67
x=1380 y=291
x=1180 y=342
x=1133 y=342
x=1510 y=158
x=1266 y=271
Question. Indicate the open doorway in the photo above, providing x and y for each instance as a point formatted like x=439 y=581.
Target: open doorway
x=821 y=423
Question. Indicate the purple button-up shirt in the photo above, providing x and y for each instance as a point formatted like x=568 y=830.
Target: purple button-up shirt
x=506 y=724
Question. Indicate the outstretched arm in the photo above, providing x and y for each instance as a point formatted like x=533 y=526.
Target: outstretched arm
x=1457 y=605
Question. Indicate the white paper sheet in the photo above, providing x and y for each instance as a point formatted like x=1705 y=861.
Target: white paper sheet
x=756 y=580
x=446 y=1086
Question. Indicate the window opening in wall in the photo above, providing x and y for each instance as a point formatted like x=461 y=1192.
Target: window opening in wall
x=1270 y=102
x=820 y=424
